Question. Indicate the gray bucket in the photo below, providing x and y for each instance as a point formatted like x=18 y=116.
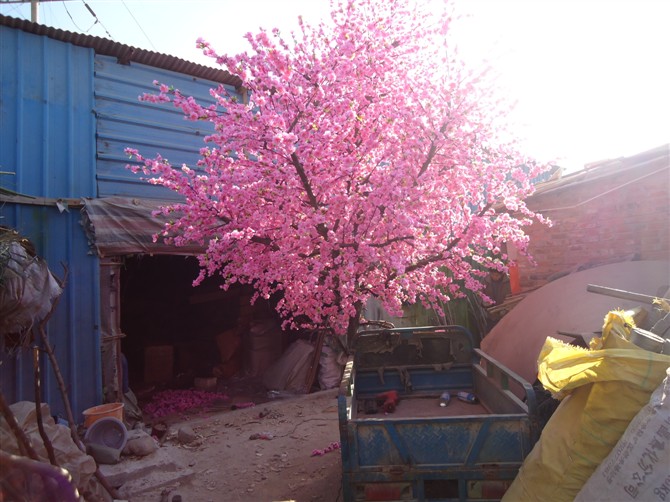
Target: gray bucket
x=109 y=432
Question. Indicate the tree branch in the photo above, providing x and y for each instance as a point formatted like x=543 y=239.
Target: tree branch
x=391 y=241
x=321 y=228
x=295 y=120
x=300 y=169
x=432 y=151
x=429 y=259
x=442 y=254
x=266 y=241
x=300 y=113
x=62 y=387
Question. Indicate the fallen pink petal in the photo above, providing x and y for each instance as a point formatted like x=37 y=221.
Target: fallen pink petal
x=177 y=401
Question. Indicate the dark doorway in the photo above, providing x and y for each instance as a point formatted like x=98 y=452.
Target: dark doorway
x=173 y=330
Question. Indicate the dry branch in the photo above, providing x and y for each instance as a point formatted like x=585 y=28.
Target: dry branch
x=25 y=446
x=63 y=389
x=38 y=408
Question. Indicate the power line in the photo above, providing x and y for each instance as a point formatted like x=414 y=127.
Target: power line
x=72 y=19
x=15 y=8
x=139 y=25
x=97 y=21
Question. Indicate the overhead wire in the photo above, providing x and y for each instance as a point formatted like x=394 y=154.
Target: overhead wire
x=97 y=21
x=15 y=8
x=139 y=25
x=73 y=21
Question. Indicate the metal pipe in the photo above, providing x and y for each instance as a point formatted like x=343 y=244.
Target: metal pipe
x=620 y=293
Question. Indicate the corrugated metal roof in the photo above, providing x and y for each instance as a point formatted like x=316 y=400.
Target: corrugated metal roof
x=658 y=157
x=124 y=53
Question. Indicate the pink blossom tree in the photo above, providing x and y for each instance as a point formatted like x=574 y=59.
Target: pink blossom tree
x=368 y=161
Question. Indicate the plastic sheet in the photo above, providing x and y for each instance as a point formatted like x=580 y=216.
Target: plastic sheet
x=123 y=225
x=80 y=466
x=290 y=371
x=330 y=368
x=27 y=292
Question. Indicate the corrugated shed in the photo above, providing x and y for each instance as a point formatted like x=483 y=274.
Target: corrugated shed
x=125 y=121
x=46 y=92
x=68 y=108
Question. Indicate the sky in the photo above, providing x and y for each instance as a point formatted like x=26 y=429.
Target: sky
x=590 y=78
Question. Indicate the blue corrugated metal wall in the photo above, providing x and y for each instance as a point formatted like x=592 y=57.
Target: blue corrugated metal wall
x=125 y=121
x=66 y=116
x=46 y=98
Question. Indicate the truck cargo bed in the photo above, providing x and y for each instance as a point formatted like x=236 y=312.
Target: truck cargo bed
x=421 y=451
x=423 y=407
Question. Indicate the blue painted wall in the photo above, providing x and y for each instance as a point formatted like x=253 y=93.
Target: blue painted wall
x=66 y=116
x=46 y=98
x=125 y=121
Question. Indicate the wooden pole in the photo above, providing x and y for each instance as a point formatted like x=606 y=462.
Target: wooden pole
x=38 y=408
x=34 y=11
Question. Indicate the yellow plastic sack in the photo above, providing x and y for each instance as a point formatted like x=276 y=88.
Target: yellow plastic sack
x=602 y=389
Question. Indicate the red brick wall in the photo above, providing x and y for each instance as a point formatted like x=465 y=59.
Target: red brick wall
x=611 y=212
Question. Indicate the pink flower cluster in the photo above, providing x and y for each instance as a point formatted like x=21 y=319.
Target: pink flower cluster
x=367 y=162
x=177 y=401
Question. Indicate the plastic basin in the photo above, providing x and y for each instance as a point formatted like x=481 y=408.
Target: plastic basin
x=109 y=432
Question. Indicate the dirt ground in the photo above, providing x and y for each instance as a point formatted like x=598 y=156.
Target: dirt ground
x=262 y=453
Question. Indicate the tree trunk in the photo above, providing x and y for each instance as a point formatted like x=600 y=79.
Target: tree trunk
x=352 y=326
